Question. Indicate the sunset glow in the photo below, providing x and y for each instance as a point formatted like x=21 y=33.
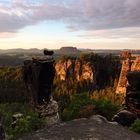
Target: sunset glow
x=98 y=24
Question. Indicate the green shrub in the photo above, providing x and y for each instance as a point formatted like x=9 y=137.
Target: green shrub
x=29 y=122
x=135 y=126
x=26 y=124
x=8 y=109
x=75 y=107
x=105 y=108
x=82 y=106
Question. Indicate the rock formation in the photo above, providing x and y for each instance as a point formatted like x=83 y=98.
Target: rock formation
x=75 y=69
x=38 y=75
x=50 y=112
x=127 y=65
x=132 y=99
x=131 y=110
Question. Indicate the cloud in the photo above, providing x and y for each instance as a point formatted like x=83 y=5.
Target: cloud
x=6 y=35
x=130 y=32
x=77 y=15
x=108 y=14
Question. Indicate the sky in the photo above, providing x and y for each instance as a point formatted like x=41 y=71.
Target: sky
x=93 y=24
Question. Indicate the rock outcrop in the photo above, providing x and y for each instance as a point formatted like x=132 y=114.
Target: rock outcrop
x=132 y=98
x=50 y=112
x=75 y=69
x=127 y=66
x=38 y=75
x=95 y=128
x=131 y=109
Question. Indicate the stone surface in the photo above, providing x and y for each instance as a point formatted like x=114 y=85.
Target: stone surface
x=50 y=112
x=95 y=128
x=125 y=117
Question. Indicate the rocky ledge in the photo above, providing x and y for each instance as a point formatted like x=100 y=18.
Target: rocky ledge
x=95 y=128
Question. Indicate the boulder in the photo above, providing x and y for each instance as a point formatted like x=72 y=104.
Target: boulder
x=125 y=117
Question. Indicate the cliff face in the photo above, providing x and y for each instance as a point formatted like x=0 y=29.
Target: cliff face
x=75 y=69
x=127 y=65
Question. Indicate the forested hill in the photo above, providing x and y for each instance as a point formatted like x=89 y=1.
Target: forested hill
x=14 y=57
x=73 y=75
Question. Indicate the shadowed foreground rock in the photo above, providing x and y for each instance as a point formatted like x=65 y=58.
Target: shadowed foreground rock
x=95 y=128
x=131 y=109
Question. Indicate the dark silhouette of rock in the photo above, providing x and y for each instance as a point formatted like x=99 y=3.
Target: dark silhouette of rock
x=125 y=118
x=133 y=78
x=38 y=75
x=132 y=100
x=47 y=52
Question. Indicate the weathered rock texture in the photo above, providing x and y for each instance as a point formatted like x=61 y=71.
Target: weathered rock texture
x=127 y=66
x=75 y=69
x=95 y=128
x=50 y=112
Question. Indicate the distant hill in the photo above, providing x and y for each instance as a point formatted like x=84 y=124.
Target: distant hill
x=68 y=50
x=20 y=50
x=17 y=56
